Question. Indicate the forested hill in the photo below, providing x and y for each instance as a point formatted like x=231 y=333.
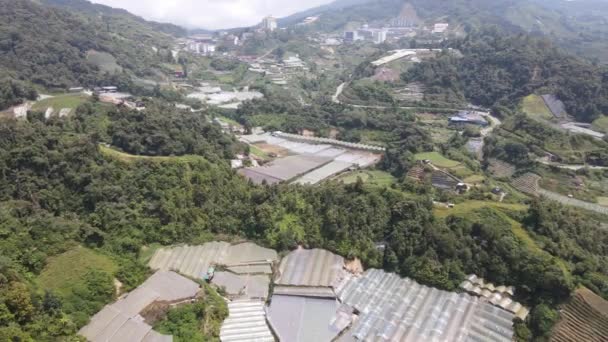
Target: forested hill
x=500 y=69
x=116 y=14
x=59 y=48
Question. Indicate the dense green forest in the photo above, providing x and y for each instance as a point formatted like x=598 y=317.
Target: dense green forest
x=14 y=93
x=499 y=69
x=52 y=47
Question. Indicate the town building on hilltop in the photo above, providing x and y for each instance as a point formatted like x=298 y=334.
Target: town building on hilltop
x=269 y=23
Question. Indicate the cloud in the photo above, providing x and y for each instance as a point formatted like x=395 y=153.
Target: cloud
x=212 y=14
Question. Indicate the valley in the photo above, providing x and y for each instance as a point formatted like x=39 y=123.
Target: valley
x=159 y=183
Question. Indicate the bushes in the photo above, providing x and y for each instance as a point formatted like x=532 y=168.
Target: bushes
x=14 y=92
x=196 y=322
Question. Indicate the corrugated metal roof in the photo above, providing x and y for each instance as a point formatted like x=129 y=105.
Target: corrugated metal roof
x=305 y=291
x=500 y=296
x=396 y=309
x=120 y=321
x=189 y=260
x=246 y=322
x=316 y=267
x=194 y=261
x=243 y=286
x=248 y=253
x=302 y=319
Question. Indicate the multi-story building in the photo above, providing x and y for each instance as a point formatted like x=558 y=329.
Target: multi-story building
x=269 y=23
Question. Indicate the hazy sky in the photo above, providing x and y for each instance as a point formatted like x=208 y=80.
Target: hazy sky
x=212 y=14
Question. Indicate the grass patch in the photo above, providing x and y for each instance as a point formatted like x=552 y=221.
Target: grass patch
x=603 y=201
x=109 y=152
x=601 y=124
x=229 y=121
x=468 y=206
x=474 y=179
x=256 y=151
x=535 y=107
x=59 y=102
x=437 y=159
x=147 y=252
x=64 y=272
x=371 y=177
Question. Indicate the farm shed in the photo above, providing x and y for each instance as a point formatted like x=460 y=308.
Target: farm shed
x=288 y=168
x=501 y=296
x=310 y=267
x=245 y=258
x=395 y=309
x=302 y=319
x=583 y=318
x=121 y=321
x=243 y=286
x=246 y=322
x=324 y=172
x=305 y=291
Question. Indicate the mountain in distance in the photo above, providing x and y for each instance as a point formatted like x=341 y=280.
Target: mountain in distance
x=580 y=27
x=92 y=9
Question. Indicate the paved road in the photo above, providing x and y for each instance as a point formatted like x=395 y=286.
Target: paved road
x=574 y=167
x=573 y=201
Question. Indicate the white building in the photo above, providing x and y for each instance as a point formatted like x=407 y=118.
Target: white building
x=440 y=27
x=379 y=36
x=269 y=23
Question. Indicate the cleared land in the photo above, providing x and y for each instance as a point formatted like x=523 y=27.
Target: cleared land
x=130 y=158
x=437 y=159
x=535 y=107
x=372 y=177
x=64 y=272
x=59 y=102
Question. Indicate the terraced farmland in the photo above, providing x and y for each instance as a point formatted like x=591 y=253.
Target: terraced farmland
x=584 y=318
x=527 y=183
x=443 y=180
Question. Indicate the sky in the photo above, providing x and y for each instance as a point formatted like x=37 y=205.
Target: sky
x=212 y=14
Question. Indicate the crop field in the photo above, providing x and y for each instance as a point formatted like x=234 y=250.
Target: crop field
x=130 y=158
x=535 y=107
x=64 y=272
x=59 y=102
x=104 y=61
x=586 y=314
x=437 y=159
x=527 y=183
x=372 y=177
x=565 y=200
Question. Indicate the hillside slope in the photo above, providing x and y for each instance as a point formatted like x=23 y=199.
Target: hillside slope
x=52 y=46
